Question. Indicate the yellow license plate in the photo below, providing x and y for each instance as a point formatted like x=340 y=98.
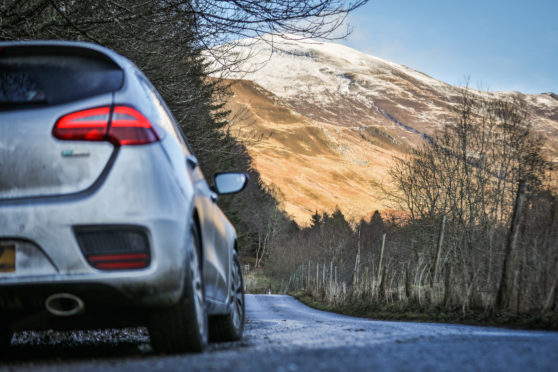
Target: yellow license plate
x=7 y=258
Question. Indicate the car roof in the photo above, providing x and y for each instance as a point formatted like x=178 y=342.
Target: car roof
x=84 y=46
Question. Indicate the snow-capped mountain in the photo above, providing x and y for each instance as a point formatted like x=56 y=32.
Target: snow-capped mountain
x=329 y=119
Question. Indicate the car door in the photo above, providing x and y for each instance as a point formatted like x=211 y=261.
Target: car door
x=204 y=197
x=223 y=248
x=205 y=204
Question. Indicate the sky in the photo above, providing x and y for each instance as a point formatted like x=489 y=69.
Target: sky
x=494 y=44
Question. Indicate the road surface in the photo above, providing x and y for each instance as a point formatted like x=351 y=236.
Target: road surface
x=283 y=335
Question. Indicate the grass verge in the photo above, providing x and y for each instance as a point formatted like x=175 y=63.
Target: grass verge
x=409 y=312
x=256 y=281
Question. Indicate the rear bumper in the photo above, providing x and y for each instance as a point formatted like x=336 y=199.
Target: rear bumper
x=23 y=307
x=139 y=191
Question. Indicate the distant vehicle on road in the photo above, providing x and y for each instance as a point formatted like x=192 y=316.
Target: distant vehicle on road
x=106 y=219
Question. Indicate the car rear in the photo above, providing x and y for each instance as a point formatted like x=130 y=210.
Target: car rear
x=93 y=210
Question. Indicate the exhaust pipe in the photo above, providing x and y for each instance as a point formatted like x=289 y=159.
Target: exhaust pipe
x=64 y=304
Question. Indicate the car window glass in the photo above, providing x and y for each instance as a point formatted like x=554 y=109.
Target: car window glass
x=42 y=79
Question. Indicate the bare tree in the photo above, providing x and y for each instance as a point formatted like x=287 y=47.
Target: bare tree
x=211 y=22
x=219 y=20
x=470 y=173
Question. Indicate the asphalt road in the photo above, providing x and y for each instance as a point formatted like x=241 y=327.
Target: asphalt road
x=284 y=335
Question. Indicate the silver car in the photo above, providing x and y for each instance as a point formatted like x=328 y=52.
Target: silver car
x=106 y=219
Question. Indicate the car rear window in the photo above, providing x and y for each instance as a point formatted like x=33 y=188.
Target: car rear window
x=38 y=76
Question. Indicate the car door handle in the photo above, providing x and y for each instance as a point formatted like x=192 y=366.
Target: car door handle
x=192 y=161
x=213 y=196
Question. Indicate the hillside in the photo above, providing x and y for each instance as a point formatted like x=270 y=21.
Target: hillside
x=323 y=122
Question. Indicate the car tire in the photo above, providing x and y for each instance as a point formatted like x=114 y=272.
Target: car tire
x=184 y=326
x=229 y=327
x=5 y=338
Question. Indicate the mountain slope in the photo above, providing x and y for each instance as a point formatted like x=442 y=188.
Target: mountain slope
x=311 y=166
x=323 y=122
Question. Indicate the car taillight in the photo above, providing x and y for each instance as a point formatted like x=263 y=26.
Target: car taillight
x=114 y=247
x=130 y=127
x=126 y=126
x=119 y=261
x=86 y=125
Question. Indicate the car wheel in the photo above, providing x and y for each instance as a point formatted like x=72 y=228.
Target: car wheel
x=5 y=338
x=184 y=326
x=230 y=327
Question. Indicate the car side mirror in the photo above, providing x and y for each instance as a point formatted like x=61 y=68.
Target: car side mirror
x=230 y=182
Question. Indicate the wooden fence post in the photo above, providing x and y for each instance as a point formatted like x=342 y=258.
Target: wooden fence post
x=317 y=277
x=330 y=277
x=505 y=288
x=324 y=276
x=551 y=297
x=447 y=287
x=383 y=292
x=408 y=283
x=438 y=252
x=309 y=276
x=379 y=271
x=366 y=279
